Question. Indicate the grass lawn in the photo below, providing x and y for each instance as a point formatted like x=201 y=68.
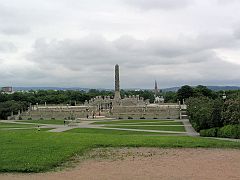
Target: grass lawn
x=30 y=130
x=33 y=151
x=61 y=122
x=160 y=128
x=137 y=121
x=151 y=123
x=111 y=132
x=13 y=125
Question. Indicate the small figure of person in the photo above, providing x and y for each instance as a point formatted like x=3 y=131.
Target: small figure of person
x=38 y=128
x=87 y=116
x=64 y=122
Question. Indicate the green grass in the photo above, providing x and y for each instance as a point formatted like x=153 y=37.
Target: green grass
x=160 y=128
x=13 y=125
x=33 y=151
x=111 y=132
x=137 y=121
x=61 y=122
x=30 y=130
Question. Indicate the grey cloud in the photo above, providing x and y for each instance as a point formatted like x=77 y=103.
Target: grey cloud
x=12 y=21
x=14 y=30
x=7 y=47
x=159 y=4
x=224 y=2
x=90 y=60
x=91 y=51
x=237 y=33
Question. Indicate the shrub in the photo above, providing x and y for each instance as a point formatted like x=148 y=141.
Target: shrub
x=229 y=131
x=155 y=118
x=20 y=118
x=41 y=118
x=52 y=118
x=142 y=118
x=129 y=117
x=120 y=118
x=29 y=118
x=209 y=132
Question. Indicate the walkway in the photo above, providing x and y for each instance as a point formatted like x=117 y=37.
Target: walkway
x=188 y=127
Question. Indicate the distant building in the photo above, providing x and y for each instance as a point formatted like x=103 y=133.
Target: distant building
x=158 y=99
x=7 y=90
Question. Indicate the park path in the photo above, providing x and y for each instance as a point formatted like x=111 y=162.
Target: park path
x=188 y=127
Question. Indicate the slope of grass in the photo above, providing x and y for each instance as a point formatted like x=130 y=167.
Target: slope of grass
x=61 y=122
x=111 y=132
x=26 y=151
x=160 y=128
x=136 y=121
x=13 y=125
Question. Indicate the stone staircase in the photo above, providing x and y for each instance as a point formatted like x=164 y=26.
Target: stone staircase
x=183 y=112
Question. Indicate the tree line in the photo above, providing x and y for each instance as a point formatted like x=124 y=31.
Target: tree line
x=212 y=113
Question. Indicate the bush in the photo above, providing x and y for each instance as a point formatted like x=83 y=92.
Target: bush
x=229 y=131
x=142 y=117
x=209 y=132
x=129 y=117
x=41 y=118
x=53 y=118
x=20 y=118
x=155 y=118
x=29 y=118
x=120 y=118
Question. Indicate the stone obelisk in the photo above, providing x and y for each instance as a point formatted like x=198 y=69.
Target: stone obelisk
x=117 y=83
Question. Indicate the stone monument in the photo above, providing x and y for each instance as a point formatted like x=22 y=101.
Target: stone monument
x=117 y=95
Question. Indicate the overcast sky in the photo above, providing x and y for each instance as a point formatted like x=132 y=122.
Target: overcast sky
x=76 y=43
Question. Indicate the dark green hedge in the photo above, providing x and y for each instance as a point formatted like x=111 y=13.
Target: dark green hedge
x=229 y=131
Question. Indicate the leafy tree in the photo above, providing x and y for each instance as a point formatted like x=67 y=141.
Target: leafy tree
x=204 y=91
x=231 y=111
x=6 y=108
x=170 y=97
x=184 y=92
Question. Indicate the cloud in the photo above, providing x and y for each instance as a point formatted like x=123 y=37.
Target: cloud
x=12 y=21
x=226 y=2
x=175 y=41
x=96 y=50
x=159 y=4
x=91 y=60
x=14 y=30
x=7 y=47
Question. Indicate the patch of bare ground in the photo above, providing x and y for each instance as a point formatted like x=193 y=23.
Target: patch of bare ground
x=148 y=163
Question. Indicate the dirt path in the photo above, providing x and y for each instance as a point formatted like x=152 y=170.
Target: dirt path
x=149 y=163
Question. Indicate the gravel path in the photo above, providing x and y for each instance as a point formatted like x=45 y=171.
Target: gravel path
x=149 y=163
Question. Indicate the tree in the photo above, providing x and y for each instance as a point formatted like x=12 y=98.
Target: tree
x=170 y=97
x=184 y=92
x=204 y=91
x=200 y=112
x=6 y=108
x=231 y=111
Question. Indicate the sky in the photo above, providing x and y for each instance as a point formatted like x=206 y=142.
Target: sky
x=76 y=43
